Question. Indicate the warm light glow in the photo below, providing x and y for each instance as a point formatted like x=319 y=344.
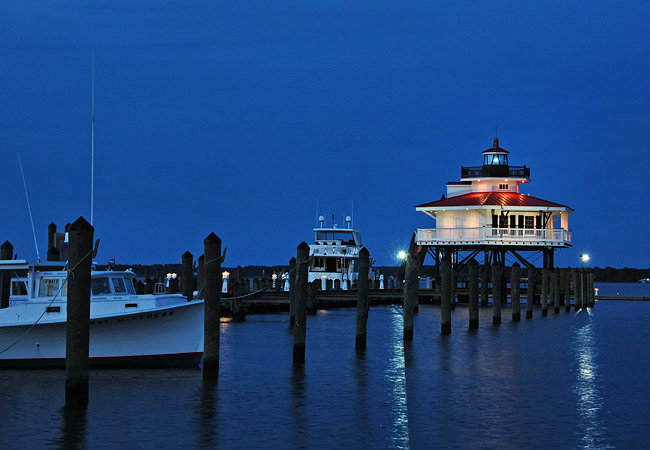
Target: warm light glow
x=324 y=277
x=274 y=276
x=584 y=257
x=225 y=274
x=169 y=275
x=401 y=255
x=174 y=275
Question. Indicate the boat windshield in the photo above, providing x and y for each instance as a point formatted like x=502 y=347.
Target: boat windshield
x=346 y=237
x=119 y=284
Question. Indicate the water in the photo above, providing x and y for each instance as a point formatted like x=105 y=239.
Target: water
x=567 y=381
x=623 y=289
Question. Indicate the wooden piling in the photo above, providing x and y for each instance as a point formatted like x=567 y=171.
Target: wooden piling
x=211 y=307
x=567 y=288
x=187 y=275
x=530 y=291
x=496 y=294
x=453 y=280
x=577 y=287
x=410 y=293
x=544 y=291
x=292 y=292
x=362 y=299
x=473 y=295
x=555 y=278
x=515 y=291
x=485 y=281
x=300 y=327
x=77 y=338
x=445 y=295
x=592 y=293
x=52 y=252
x=200 y=275
x=6 y=253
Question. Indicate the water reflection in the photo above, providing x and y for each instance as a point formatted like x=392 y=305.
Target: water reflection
x=207 y=412
x=589 y=402
x=395 y=373
x=298 y=407
x=73 y=429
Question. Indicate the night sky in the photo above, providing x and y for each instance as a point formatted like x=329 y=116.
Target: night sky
x=237 y=117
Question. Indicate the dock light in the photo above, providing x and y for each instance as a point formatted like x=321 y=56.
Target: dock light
x=169 y=275
x=174 y=275
x=401 y=255
x=274 y=276
x=584 y=257
x=225 y=274
x=324 y=277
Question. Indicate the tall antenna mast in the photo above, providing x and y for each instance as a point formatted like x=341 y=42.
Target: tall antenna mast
x=92 y=147
x=29 y=208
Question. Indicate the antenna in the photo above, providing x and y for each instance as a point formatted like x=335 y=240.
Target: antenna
x=29 y=208
x=92 y=146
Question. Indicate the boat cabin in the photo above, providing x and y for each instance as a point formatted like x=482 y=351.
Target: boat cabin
x=335 y=252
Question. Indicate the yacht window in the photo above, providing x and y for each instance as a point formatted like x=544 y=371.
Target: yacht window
x=99 y=286
x=18 y=288
x=130 y=289
x=118 y=285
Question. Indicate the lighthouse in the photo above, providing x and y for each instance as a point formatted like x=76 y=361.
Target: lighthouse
x=486 y=213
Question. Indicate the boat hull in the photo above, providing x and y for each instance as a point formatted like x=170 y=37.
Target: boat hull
x=167 y=337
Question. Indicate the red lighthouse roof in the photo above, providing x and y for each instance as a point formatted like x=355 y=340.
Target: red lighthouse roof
x=492 y=199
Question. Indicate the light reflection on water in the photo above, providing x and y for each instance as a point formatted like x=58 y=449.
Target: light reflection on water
x=589 y=400
x=557 y=382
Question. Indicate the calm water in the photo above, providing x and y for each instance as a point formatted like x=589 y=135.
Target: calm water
x=623 y=289
x=573 y=380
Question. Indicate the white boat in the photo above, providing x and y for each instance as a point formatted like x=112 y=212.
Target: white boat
x=335 y=253
x=126 y=330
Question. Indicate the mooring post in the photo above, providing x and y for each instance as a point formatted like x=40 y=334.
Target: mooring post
x=577 y=287
x=211 y=307
x=187 y=275
x=77 y=337
x=544 y=291
x=453 y=275
x=410 y=293
x=515 y=291
x=530 y=292
x=584 y=301
x=473 y=295
x=6 y=253
x=300 y=327
x=51 y=243
x=567 y=288
x=200 y=275
x=555 y=279
x=496 y=294
x=362 y=299
x=445 y=295
x=485 y=282
x=592 y=290
x=292 y=291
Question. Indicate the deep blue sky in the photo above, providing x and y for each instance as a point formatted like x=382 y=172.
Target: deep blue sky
x=235 y=117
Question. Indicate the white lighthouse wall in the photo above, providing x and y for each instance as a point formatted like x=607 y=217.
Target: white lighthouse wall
x=463 y=219
x=497 y=185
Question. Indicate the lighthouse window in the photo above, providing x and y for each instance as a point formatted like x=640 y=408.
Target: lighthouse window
x=513 y=221
x=530 y=222
x=503 y=221
x=503 y=186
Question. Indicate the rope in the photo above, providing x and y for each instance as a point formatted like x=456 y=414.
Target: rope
x=70 y=273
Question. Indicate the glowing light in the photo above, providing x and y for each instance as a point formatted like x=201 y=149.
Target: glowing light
x=324 y=277
x=174 y=275
x=274 y=276
x=584 y=257
x=401 y=255
x=169 y=275
x=225 y=274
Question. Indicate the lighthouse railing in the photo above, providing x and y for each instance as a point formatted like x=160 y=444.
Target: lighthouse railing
x=493 y=235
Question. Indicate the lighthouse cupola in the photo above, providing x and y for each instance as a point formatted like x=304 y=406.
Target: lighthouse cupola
x=495 y=161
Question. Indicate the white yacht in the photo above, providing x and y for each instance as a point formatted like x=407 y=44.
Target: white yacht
x=126 y=330
x=335 y=253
